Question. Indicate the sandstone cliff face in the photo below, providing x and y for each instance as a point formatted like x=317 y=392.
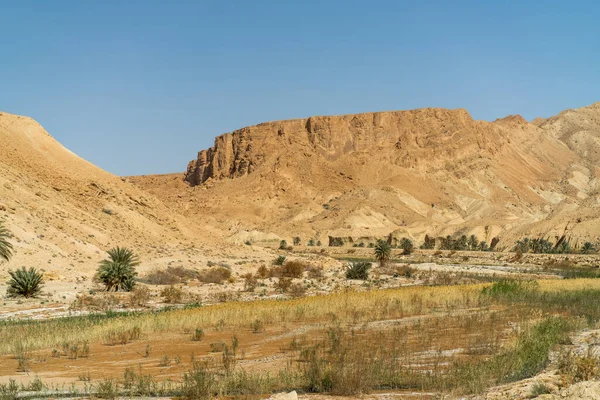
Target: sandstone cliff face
x=409 y=139
x=406 y=173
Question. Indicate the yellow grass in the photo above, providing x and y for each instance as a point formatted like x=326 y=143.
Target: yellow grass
x=344 y=307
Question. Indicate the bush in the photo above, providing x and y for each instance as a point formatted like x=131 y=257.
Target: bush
x=428 y=243
x=198 y=383
x=23 y=282
x=172 y=295
x=107 y=389
x=262 y=272
x=315 y=272
x=250 y=282
x=122 y=336
x=283 y=245
x=578 y=368
x=279 y=260
x=118 y=271
x=297 y=290
x=291 y=269
x=215 y=275
x=297 y=241
x=170 y=276
x=336 y=242
x=407 y=246
x=140 y=296
x=283 y=284
x=198 y=335
x=358 y=270
x=511 y=289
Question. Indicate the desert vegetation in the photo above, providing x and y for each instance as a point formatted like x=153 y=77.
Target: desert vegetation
x=24 y=282
x=458 y=339
x=5 y=246
x=117 y=272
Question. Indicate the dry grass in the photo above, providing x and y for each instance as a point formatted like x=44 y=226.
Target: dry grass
x=456 y=339
x=375 y=305
x=215 y=275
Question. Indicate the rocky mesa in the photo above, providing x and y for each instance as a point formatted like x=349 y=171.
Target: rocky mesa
x=406 y=173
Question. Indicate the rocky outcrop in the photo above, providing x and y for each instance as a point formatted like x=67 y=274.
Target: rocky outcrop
x=406 y=138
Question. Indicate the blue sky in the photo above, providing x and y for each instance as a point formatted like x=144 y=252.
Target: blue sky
x=138 y=87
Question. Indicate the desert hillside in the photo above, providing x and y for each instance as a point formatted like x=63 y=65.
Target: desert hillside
x=410 y=173
x=64 y=212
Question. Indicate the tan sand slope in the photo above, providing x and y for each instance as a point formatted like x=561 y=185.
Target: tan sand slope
x=65 y=212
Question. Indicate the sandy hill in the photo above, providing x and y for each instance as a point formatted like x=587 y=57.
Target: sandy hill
x=65 y=212
x=409 y=173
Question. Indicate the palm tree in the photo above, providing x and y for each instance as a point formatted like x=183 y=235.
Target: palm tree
x=407 y=245
x=588 y=248
x=23 y=282
x=5 y=246
x=118 y=271
x=382 y=252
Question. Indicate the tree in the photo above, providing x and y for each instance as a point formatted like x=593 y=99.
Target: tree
x=296 y=241
x=23 y=282
x=382 y=252
x=118 y=271
x=588 y=248
x=5 y=246
x=283 y=245
x=407 y=246
x=473 y=243
x=311 y=242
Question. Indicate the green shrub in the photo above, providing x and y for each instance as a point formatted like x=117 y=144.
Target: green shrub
x=511 y=289
x=118 y=271
x=279 y=260
x=407 y=246
x=588 y=248
x=336 y=242
x=23 y=282
x=107 y=389
x=358 y=270
x=198 y=383
x=198 y=335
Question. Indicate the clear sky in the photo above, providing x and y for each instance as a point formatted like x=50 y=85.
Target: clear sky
x=138 y=87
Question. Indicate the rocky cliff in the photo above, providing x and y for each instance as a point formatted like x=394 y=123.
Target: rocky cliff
x=409 y=139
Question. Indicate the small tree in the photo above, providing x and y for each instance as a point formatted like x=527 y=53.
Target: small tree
x=382 y=252
x=23 y=282
x=296 y=241
x=588 y=248
x=283 y=245
x=311 y=242
x=118 y=271
x=473 y=243
x=407 y=246
x=5 y=246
